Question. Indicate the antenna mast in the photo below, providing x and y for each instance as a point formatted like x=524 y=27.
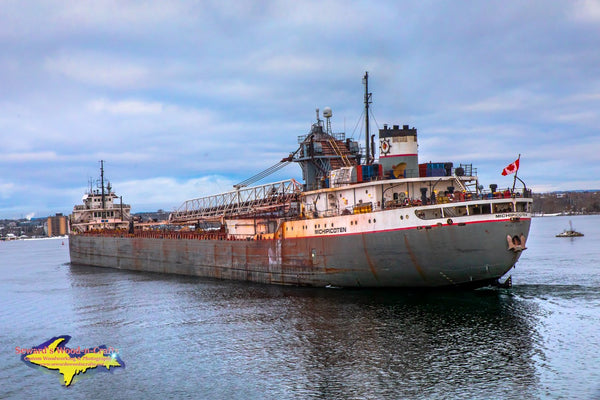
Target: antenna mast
x=367 y=102
x=102 y=185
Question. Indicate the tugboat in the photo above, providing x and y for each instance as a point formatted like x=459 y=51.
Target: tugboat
x=100 y=211
x=569 y=232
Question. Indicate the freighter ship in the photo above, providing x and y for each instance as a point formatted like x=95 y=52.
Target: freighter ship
x=355 y=221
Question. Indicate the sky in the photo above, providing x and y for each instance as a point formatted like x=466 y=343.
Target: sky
x=184 y=99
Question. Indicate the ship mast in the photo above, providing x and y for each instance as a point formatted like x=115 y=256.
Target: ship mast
x=367 y=102
x=102 y=185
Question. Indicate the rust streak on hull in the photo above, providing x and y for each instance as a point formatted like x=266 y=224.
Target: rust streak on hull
x=413 y=258
x=368 y=258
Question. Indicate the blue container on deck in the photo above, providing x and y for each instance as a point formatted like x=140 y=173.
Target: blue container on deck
x=366 y=173
x=437 y=172
x=435 y=169
x=435 y=165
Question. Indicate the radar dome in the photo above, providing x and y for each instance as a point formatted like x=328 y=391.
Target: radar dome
x=327 y=112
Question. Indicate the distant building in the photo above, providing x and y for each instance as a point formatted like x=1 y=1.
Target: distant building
x=57 y=225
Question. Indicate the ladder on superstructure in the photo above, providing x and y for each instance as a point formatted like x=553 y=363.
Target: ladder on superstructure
x=468 y=171
x=339 y=153
x=460 y=184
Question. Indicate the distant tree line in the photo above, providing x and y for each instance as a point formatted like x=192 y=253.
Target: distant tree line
x=576 y=202
x=18 y=227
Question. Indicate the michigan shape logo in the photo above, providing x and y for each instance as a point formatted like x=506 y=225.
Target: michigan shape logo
x=70 y=362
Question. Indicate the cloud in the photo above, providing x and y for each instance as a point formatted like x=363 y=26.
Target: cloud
x=99 y=69
x=42 y=156
x=584 y=97
x=168 y=193
x=126 y=107
x=576 y=117
x=6 y=189
x=586 y=11
x=506 y=101
x=293 y=64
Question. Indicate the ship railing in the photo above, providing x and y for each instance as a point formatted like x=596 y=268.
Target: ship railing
x=444 y=200
x=336 y=135
x=81 y=207
x=242 y=201
x=467 y=170
x=175 y=234
x=332 y=212
x=456 y=197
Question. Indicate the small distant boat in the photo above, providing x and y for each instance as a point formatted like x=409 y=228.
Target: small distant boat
x=570 y=232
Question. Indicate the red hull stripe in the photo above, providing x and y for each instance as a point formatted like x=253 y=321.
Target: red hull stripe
x=398 y=155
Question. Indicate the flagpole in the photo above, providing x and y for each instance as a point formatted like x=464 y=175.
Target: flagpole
x=515 y=178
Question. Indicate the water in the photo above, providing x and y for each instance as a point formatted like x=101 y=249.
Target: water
x=184 y=337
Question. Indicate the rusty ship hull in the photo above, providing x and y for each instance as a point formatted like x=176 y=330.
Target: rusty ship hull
x=355 y=221
x=468 y=251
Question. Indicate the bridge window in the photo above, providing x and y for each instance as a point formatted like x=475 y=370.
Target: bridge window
x=478 y=209
x=503 y=208
x=522 y=206
x=459 y=211
x=430 y=213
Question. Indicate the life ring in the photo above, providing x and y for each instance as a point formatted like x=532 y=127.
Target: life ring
x=384 y=147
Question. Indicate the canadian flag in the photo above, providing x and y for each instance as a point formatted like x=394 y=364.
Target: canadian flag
x=511 y=169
